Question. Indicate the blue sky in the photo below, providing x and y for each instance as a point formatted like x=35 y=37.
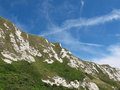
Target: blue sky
x=90 y=29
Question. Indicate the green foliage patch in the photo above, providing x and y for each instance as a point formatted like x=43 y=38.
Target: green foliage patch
x=22 y=75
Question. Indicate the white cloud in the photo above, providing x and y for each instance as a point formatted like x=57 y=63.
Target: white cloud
x=113 y=58
x=91 y=44
x=74 y=23
x=118 y=35
x=73 y=44
x=61 y=34
x=82 y=5
x=66 y=38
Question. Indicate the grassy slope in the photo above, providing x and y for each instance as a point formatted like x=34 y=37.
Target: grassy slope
x=22 y=75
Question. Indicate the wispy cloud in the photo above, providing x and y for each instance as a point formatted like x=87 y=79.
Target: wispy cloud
x=113 y=58
x=82 y=5
x=74 y=23
x=73 y=44
x=46 y=6
x=91 y=44
x=68 y=39
x=117 y=35
x=61 y=33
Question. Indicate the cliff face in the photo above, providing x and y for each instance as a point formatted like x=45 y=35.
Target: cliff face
x=35 y=56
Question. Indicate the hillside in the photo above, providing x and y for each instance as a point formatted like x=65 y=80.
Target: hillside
x=29 y=62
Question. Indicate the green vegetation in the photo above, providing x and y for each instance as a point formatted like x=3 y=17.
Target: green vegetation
x=86 y=88
x=63 y=70
x=102 y=85
x=105 y=78
x=89 y=76
x=22 y=75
